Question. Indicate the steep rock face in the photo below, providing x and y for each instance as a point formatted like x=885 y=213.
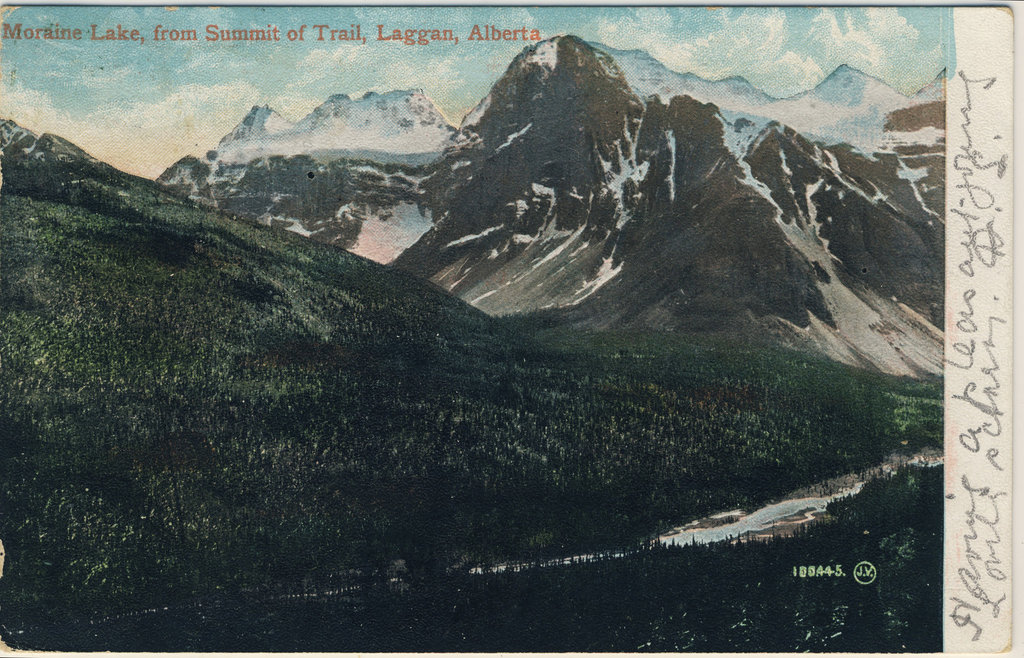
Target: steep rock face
x=346 y=174
x=372 y=209
x=862 y=211
x=696 y=248
x=917 y=137
x=567 y=194
x=528 y=173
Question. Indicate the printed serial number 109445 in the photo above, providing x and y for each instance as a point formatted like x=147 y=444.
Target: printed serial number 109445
x=816 y=571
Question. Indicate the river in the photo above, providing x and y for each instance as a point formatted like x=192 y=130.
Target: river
x=775 y=519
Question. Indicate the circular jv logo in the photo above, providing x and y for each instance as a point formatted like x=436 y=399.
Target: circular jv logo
x=865 y=573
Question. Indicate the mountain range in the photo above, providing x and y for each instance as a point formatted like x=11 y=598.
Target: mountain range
x=598 y=188
x=847 y=107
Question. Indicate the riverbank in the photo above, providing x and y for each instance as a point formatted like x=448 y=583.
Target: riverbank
x=782 y=517
x=776 y=519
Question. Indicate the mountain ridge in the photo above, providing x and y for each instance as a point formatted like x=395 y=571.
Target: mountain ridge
x=839 y=71
x=847 y=106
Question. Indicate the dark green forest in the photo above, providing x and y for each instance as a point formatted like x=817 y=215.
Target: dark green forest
x=193 y=406
x=716 y=598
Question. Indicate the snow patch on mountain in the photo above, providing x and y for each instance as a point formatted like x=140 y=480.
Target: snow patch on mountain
x=469 y=238
x=477 y=113
x=554 y=253
x=513 y=137
x=625 y=168
x=739 y=148
x=670 y=137
x=545 y=55
x=290 y=224
x=604 y=274
x=891 y=141
x=542 y=190
x=740 y=131
x=913 y=176
x=11 y=132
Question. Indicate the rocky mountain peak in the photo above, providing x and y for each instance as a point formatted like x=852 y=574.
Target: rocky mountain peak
x=568 y=195
x=260 y=122
x=555 y=85
x=848 y=86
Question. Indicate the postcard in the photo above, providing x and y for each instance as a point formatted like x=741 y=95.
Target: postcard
x=506 y=329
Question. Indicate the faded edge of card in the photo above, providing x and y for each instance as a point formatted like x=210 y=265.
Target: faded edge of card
x=979 y=334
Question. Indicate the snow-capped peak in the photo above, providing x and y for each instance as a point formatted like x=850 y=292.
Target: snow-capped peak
x=649 y=77
x=391 y=126
x=851 y=87
x=373 y=109
x=260 y=122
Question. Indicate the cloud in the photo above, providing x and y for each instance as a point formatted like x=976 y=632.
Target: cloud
x=887 y=24
x=193 y=115
x=876 y=45
x=803 y=70
x=30 y=107
x=105 y=78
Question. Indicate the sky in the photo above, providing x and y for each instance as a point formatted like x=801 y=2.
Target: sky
x=143 y=106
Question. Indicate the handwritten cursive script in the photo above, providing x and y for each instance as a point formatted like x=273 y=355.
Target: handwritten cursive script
x=977 y=372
